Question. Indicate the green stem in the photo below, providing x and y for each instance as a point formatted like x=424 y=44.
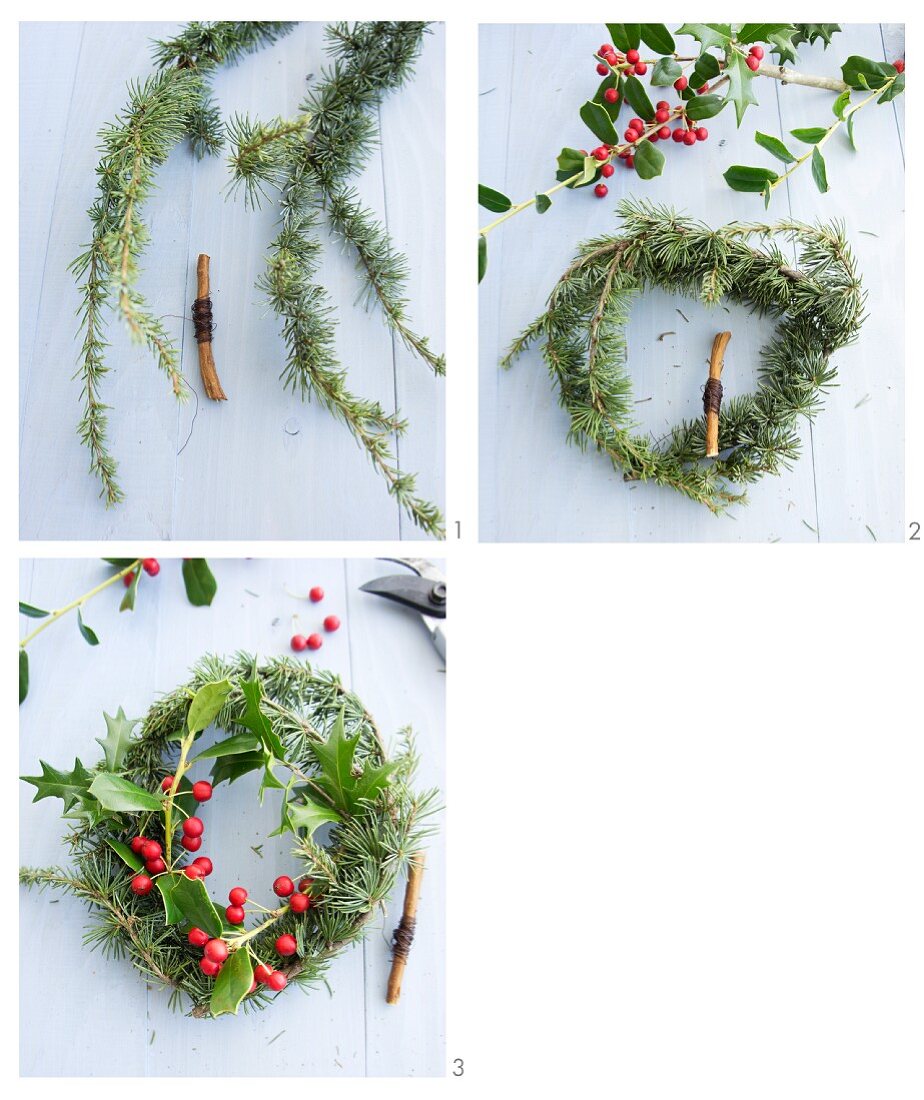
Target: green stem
x=244 y=937
x=181 y=769
x=79 y=602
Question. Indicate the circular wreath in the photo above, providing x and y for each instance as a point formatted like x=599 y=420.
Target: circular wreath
x=819 y=304
x=135 y=829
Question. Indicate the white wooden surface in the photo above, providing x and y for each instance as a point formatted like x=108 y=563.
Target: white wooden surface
x=534 y=487
x=98 y=1018
x=263 y=464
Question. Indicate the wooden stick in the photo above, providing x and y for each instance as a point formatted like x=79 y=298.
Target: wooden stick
x=207 y=369
x=712 y=398
x=404 y=933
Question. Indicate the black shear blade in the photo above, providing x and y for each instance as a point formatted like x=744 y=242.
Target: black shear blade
x=425 y=596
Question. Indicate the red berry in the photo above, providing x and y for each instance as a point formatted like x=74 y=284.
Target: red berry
x=237 y=896
x=636 y=124
x=601 y=190
x=752 y=63
x=605 y=49
x=202 y=791
x=899 y=65
x=304 y=884
x=193 y=871
x=315 y=641
x=316 y=594
x=205 y=863
x=611 y=96
x=653 y=136
x=253 y=986
x=630 y=161
x=602 y=69
x=283 y=886
x=262 y=972
x=680 y=83
x=209 y=967
x=142 y=885
x=632 y=56
x=664 y=133
x=197 y=937
x=235 y=914
x=607 y=170
x=151 y=566
x=137 y=844
x=155 y=866
x=678 y=133
x=298 y=642
x=193 y=826
x=128 y=578
x=662 y=115
x=757 y=51
x=662 y=105
x=216 y=950
x=166 y=783
x=598 y=154
x=689 y=138
x=286 y=945
x=298 y=903
x=277 y=980
x=151 y=850
x=192 y=843
x=640 y=68
x=702 y=133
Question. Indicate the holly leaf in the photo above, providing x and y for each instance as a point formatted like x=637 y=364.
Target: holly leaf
x=649 y=160
x=88 y=635
x=206 y=705
x=23 y=675
x=850 y=130
x=118 y=737
x=666 y=71
x=164 y=883
x=819 y=172
x=862 y=72
x=32 y=612
x=493 y=200
x=638 y=97
x=841 y=104
x=115 y=793
x=201 y=585
x=543 y=202
x=741 y=177
x=625 y=36
x=375 y=778
x=233 y=767
x=761 y=32
x=705 y=106
x=68 y=786
x=810 y=135
x=740 y=79
x=708 y=35
x=706 y=68
x=191 y=898
x=230 y=746
x=337 y=779
x=120 y=563
x=128 y=600
x=482 y=256
x=257 y=722
x=894 y=89
x=598 y=121
x=783 y=43
x=775 y=146
x=308 y=815
x=232 y=984
x=657 y=36
x=269 y=782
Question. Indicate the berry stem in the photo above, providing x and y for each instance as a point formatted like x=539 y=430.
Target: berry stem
x=79 y=602
x=235 y=942
x=181 y=770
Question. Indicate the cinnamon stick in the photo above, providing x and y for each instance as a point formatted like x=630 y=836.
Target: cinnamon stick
x=404 y=933
x=712 y=395
x=202 y=318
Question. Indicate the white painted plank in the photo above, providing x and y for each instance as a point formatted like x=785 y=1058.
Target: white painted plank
x=133 y=1033
x=262 y=464
x=534 y=486
x=859 y=437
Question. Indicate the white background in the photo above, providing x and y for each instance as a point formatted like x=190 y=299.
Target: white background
x=597 y=937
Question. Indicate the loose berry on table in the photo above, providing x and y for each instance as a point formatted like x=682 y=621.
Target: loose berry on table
x=601 y=190
x=298 y=642
x=315 y=641
x=316 y=594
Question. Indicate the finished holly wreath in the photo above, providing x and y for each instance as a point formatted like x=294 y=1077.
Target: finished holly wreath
x=135 y=825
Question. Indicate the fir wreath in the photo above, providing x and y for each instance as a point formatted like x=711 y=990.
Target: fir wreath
x=309 y=161
x=132 y=822
x=819 y=304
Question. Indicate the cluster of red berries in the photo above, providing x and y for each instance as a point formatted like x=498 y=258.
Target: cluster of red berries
x=754 y=58
x=613 y=60
x=314 y=641
x=151 y=566
x=152 y=852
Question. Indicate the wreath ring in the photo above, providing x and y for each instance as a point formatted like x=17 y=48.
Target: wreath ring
x=819 y=303
x=281 y=717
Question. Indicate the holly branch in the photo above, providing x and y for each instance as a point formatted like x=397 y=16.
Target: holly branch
x=730 y=59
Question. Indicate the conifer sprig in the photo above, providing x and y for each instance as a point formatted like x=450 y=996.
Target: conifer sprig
x=819 y=305
x=160 y=112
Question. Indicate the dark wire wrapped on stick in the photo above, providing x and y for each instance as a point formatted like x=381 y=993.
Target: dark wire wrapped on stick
x=204 y=326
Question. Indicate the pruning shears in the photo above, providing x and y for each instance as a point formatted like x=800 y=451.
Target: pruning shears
x=424 y=592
